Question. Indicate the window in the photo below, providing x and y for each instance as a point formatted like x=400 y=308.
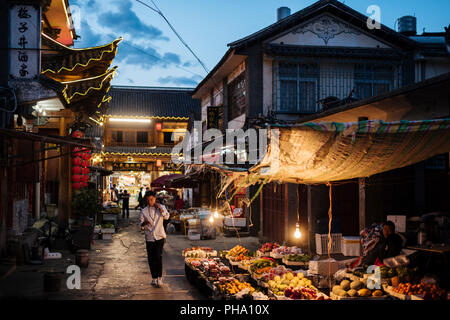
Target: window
x=168 y=138
x=298 y=87
x=372 y=79
x=117 y=136
x=237 y=97
x=142 y=137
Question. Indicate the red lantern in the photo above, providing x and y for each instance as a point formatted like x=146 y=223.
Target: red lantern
x=77 y=170
x=77 y=161
x=77 y=178
x=84 y=184
x=76 y=185
x=77 y=134
x=85 y=163
x=86 y=156
x=85 y=170
x=76 y=149
x=84 y=178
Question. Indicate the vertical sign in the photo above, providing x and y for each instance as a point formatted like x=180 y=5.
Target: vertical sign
x=212 y=118
x=24 y=41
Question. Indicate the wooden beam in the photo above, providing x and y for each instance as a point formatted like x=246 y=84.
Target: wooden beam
x=362 y=203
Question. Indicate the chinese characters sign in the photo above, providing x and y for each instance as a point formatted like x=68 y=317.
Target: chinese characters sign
x=212 y=118
x=24 y=41
x=129 y=166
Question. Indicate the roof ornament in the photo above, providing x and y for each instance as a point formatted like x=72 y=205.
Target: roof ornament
x=326 y=28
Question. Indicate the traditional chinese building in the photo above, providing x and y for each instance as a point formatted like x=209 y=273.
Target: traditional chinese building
x=140 y=128
x=51 y=90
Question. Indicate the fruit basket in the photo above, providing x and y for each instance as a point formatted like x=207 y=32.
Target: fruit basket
x=296 y=260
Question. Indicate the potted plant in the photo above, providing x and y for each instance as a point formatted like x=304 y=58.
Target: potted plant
x=85 y=205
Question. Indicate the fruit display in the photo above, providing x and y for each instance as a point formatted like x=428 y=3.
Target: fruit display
x=424 y=291
x=289 y=280
x=354 y=289
x=263 y=265
x=284 y=251
x=304 y=258
x=232 y=286
x=240 y=257
x=238 y=250
x=268 y=247
x=304 y=294
x=199 y=252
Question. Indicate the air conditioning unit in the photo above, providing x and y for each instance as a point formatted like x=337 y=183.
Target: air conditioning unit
x=322 y=243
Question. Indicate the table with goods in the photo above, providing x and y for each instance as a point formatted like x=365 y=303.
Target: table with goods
x=276 y=272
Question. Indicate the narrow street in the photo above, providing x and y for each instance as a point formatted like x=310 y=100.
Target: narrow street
x=118 y=269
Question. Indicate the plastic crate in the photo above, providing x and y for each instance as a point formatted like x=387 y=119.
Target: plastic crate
x=322 y=243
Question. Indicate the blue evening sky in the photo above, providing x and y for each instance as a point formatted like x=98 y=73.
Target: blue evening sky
x=151 y=54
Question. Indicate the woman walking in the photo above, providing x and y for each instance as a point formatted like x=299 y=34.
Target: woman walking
x=140 y=200
x=152 y=217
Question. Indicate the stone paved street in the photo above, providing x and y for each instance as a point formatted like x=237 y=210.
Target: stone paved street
x=118 y=269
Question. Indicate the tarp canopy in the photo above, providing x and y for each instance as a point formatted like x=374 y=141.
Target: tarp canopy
x=161 y=181
x=316 y=153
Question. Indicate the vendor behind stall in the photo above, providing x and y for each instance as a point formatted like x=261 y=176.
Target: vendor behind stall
x=390 y=245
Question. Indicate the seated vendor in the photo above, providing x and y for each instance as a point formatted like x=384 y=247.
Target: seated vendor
x=390 y=245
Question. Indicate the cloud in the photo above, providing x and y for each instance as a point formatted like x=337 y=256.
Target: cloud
x=180 y=81
x=126 y=20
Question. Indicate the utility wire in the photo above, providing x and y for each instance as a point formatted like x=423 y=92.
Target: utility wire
x=157 y=10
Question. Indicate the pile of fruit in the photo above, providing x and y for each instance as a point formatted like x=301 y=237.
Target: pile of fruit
x=263 y=265
x=238 y=250
x=355 y=289
x=207 y=251
x=232 y=286
x=298 y=258
x=303 y=293
x=284 y=251
x=426 y=291
x=289 y=280
x=268 y=247
x=240 y=257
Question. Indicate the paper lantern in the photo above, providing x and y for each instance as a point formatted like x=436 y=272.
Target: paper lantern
x=85 y=170
x=85 y=156
x=85 y=163
x=77 y=178
x=84 y=178
x=159 y=126
x=77 y=134
x=77 y=170
x=84 y=184
x=76 y=149
x=76 y=185
x=77 y=161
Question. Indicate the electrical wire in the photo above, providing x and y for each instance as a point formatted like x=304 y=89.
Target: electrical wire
x=157 y=10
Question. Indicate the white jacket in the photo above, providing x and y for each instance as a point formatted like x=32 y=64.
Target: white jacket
x=155 y=229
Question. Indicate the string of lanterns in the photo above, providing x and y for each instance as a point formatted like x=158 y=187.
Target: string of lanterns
x=80 y=164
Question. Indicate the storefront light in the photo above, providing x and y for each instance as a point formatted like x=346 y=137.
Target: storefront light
x=130 y=120
x=216 y=214
x=211 y=219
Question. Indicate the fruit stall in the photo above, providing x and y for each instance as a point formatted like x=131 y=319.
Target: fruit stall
x=269 y=274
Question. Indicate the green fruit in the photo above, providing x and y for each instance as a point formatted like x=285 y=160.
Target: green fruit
x=336 y=289
x=345 y=285
x=352 y=293
x=342 y=293
x=356 y=285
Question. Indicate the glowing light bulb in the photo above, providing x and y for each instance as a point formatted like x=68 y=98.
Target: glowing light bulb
x=211 y=219
x=297 y=233
x=216 y=214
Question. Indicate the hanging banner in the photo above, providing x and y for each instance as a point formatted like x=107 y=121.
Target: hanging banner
x=24 y=41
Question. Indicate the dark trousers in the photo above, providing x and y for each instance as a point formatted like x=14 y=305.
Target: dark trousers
x=154 y=255
x=125 y=207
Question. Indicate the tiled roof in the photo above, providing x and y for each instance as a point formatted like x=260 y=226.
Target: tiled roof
x=152 y=102
x=138 y=150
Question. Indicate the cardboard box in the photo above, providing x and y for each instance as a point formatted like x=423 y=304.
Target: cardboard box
x=321 y=267
x=399 y=221
x=351 y=246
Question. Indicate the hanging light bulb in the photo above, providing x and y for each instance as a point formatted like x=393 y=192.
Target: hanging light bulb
x=216 y=214
x=297 y=233
x=211 y=219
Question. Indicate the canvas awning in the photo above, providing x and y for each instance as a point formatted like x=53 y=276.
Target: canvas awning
x=161 y=181
x=316 y=153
